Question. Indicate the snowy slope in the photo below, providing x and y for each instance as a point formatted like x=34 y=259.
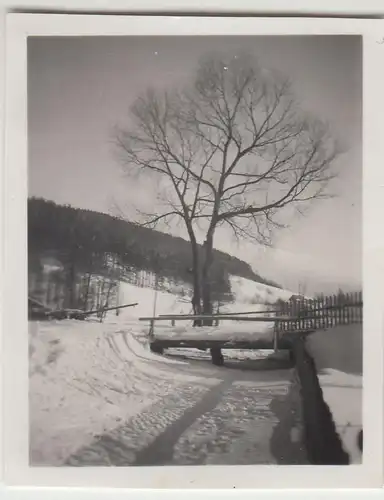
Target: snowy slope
x=166 y=302
x=250 y=292
x=248 y=296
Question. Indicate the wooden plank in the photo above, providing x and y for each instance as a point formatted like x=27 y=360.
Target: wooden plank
x=220 y=344
x=228 y=318
x=220 y=314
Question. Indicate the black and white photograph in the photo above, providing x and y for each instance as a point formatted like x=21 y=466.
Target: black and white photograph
x=194 y=214
x=194 y=250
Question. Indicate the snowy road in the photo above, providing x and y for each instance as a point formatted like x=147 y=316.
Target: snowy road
x=98 y=397
x=248 y=419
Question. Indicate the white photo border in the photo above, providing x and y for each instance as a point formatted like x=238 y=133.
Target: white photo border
x=15 y=342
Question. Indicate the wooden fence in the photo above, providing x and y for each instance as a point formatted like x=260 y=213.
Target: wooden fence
x=320 y=313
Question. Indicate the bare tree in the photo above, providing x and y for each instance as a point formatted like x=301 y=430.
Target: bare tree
x=234 y=148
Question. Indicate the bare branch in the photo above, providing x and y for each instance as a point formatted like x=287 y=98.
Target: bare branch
x=233 y=148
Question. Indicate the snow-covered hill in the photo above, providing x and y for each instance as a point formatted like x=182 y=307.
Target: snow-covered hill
x=251 y=292
x=248 y=296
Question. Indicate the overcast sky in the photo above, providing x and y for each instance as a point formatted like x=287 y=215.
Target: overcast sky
x=79 y=88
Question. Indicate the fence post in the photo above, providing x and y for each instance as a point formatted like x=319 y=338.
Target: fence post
x=288 y=313
x=361 y=310
x=349 y=301
x=283 y=312
x=276 y=339
x=323 y=313
x=338 y=300
x=353 y=308
x=151 y=329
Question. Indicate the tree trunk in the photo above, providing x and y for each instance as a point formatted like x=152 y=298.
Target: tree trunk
x=71 y=283
x=196 y=298
x=88 y=287
x=206 y=279
x=216 y=354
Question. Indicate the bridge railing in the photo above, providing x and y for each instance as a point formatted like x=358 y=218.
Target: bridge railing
x=216 y=317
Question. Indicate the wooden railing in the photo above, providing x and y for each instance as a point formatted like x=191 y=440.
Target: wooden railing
x=215 y=317
x=293 y=317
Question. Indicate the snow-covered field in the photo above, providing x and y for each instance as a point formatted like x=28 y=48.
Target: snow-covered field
x=338 y=357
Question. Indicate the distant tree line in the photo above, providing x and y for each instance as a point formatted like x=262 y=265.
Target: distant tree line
x=80 y=239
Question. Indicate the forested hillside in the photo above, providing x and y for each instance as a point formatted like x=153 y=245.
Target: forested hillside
x=77 y=236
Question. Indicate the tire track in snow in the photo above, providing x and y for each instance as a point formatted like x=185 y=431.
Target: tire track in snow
x=121 y=446
x=160 y=451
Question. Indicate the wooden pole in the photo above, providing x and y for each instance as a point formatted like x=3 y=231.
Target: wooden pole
x=276 y=340
x=152 y=329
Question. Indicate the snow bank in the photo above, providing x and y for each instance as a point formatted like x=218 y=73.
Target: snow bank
x=337 y=353
x=344 y=395
x=87 y=378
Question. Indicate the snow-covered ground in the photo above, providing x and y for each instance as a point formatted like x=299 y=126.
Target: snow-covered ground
x=87 y=378
x=338 y=357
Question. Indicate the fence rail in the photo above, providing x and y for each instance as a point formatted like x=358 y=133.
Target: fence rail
x=323 y=312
